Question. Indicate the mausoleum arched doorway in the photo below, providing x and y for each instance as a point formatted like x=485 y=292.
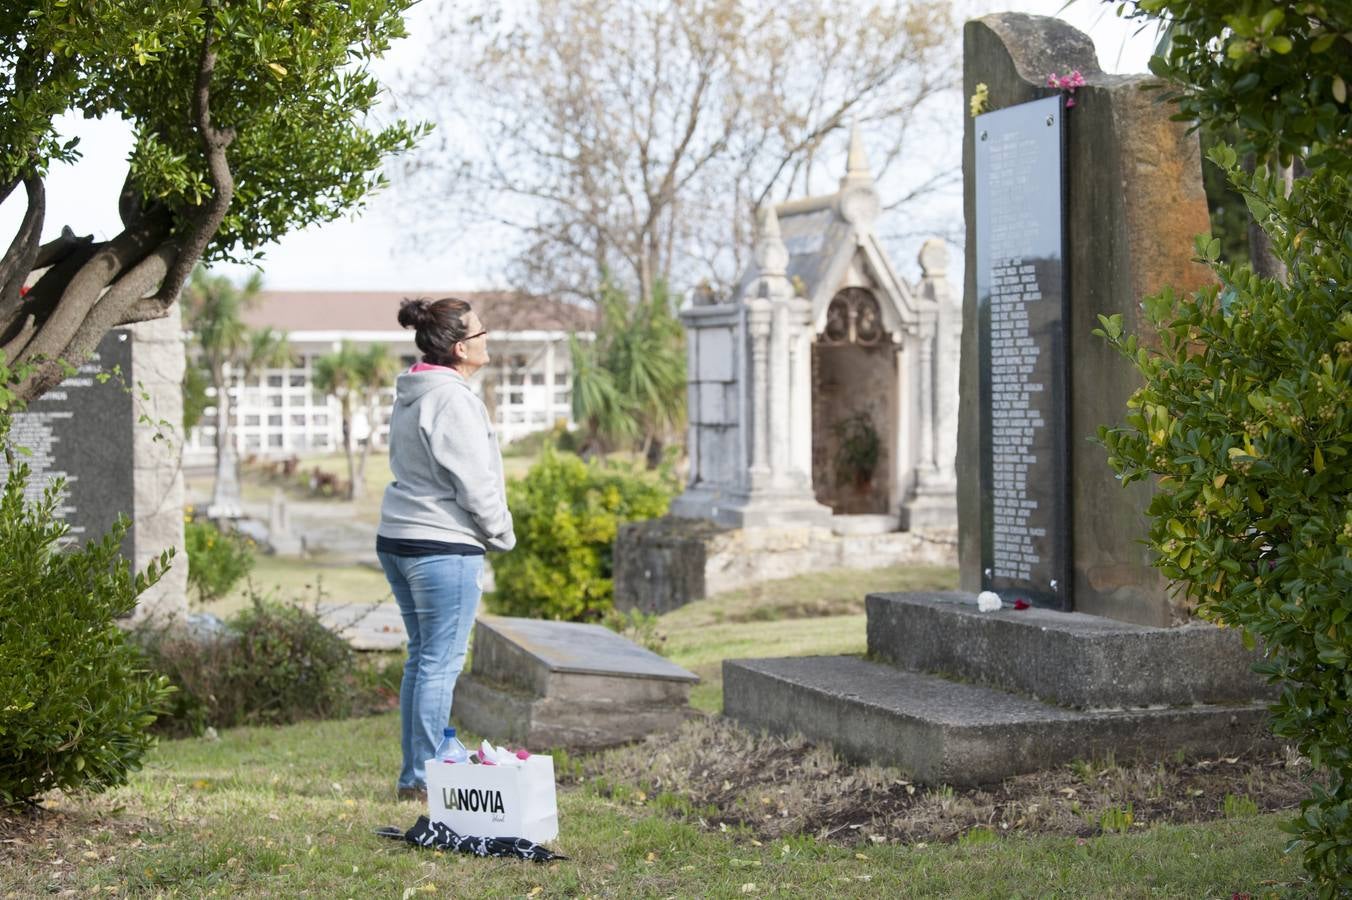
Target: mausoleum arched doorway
x=854 y=407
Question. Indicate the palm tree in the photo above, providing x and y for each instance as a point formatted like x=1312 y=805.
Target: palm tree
x=355 y=377
x=213 y=308
x=629 y=383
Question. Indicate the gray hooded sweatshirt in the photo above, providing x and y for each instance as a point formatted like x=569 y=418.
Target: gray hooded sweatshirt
x=448 y=483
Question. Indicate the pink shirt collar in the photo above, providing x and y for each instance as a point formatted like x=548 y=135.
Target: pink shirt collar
x=430 y=367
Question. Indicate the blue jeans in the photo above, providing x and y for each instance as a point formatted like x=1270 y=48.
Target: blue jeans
x=437 y=598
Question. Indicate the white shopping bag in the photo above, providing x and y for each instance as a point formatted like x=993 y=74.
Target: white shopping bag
x=495 y=801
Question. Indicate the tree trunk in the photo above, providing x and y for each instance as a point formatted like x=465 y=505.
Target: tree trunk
x=652 y=454
x=225 y=494
x=1265 y=263
x=365 y=453
x=350 y=446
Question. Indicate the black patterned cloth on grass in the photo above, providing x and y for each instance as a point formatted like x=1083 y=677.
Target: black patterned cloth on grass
x=438 y=836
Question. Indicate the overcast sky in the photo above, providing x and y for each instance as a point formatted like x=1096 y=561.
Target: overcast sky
x=370 y=252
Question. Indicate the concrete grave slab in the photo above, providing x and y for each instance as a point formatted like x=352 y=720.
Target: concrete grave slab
x=947 y=732
x=1071 y=659
x=366 y=626
x=567 y=684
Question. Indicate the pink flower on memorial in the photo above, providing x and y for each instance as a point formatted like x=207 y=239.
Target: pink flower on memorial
x=1021 y=603
x=1068 y=83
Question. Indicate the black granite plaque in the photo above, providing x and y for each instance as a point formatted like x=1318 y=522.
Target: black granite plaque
x=81 y=431
x=1022 y=315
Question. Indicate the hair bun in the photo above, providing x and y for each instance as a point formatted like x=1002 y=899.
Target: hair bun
x=414 y=313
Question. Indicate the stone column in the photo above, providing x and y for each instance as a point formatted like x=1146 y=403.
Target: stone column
x=925 y=458
x=549 y=384
x=758 y=327
x=902 y=437
x=157 y=439
x=780 y=375
x=692 y=410
x=800 y=369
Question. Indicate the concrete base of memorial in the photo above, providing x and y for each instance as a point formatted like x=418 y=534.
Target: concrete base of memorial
x=955 y=696
x=543 y=684
x=665 y=563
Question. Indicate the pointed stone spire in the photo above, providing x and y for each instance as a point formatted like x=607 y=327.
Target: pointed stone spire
x=857 y=199
x=772 y=257
x=856 y=165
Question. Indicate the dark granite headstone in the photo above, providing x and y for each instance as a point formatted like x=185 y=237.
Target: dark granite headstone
x=81 y=431
x=1021 y=297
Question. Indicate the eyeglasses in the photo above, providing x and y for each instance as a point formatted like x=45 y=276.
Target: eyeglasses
x=473 y=336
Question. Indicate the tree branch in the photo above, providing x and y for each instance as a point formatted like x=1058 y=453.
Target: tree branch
x=126 y=294
x=214 y=143
x=18 y=260
x=73 y=300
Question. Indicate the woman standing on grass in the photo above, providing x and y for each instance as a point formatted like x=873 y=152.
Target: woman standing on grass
x=446 y=506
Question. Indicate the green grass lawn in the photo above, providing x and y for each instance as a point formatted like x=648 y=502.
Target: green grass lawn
x=288 y=812
x=292 y=580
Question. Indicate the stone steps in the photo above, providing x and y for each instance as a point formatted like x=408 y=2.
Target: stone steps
x=949 y=732
x=1070 y=659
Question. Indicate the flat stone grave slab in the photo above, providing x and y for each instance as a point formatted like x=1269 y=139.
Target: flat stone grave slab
x=566 y=684
x=366 y=626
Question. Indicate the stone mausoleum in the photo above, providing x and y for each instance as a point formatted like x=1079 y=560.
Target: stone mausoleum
x=823 y=411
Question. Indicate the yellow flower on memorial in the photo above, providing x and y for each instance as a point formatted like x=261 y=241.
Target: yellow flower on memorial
x=979 y=100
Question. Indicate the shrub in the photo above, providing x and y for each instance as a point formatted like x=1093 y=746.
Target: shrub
x=271 y=663
x=1245 y=416
x=1246 y=412
x=567 y=513
x=217 y=559
x=75 y=699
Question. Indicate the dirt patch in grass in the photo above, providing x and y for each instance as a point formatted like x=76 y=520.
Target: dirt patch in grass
x=42 y=848
x=724 y=776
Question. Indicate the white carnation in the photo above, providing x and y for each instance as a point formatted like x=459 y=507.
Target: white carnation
x=988 y=601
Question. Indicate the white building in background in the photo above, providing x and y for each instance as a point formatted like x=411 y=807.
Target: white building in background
x=278 y=412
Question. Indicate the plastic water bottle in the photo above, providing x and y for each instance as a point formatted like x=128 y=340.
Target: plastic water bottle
x=450 y=749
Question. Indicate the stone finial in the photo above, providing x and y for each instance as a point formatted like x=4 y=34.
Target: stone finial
x=859 y=203
x=934 y=258
x=856 y=164
x=771 y=255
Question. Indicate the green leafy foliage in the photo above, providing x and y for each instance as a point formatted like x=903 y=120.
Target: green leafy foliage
x=629 y=382
x=1245 y=423
x=271 y=663
x=217 y=559
x=1117 y=819
x=75 y=699
x=567 y=514
x=355 y=376
x=290 y=78
x=1245 y=417
x=860 y=450
x=1275 y=69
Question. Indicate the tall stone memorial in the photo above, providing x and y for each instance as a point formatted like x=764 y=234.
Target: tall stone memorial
x=1072 y=212
x=112 y=431
x=1130 y=189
